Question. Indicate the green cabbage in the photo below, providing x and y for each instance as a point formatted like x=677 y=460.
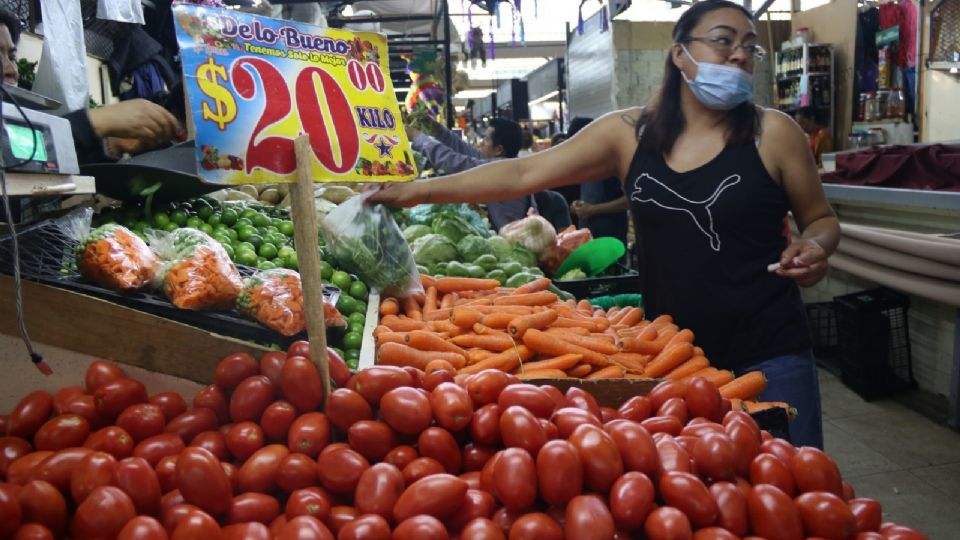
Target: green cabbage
x=521 y=255
x=433 y=248
x=413 y=232
x=573 y=275
x=500 y=246
x=472 y=247
x=425 y=214
x=452 y=226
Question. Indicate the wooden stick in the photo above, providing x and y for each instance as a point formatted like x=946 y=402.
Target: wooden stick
x=305 y=236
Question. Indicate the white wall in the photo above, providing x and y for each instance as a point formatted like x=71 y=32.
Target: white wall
x=942 y=107
x=31 y=48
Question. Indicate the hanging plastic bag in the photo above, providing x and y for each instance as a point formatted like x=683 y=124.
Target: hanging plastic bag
x=126 y=11
x=366 y=241
x=111 y=255
x=568 y=240
x=62 y=73
x=197 y=274
x=274 y=298
x=533 y=232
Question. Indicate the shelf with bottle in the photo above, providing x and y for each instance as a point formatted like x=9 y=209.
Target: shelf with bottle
x=785 y=78
x=807 y=59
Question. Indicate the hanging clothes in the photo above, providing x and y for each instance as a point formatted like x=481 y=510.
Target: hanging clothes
x=138 y=68
x=907 y=53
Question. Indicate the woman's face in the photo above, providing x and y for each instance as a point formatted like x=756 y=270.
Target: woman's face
x=723 y=36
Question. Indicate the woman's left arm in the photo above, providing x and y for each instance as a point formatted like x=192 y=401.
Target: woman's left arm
x=805 y=260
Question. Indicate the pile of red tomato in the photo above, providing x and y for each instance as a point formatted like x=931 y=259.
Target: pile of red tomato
x=404 y=455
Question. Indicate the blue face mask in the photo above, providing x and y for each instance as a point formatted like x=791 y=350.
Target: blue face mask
x=719 y=87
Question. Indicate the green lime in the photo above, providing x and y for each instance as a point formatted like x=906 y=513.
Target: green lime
x=265 y=265
x=279 y=240
x=194 y=222
x=341 y=280
x=358 y=290
x=267 y=250
x=285 y=251
x=286 y=227
x=205 y=212
x=357 y=317
x=260 y=220
x=351 y=358
x=206 y=228
x=160 y=219
x=214 y=220
x=244 y=233
x=228 y=217
x=346 y=305
x=361 y=307
x=170 y=226
x=248 y=213
x=243 y=222
x=256 y=240
x=141 y=226
x=326 y=271
x=222 y=238
x=290 y=261
x=355 y=327
x=246 y=257
x=247 y=246
x=352 y=341
x=179 y=216
x=276 y=221
x=233 y=234
x=229 y=249
x=271 y=229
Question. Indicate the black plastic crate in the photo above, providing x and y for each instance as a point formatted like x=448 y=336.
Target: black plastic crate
x=822 y=324
x=874 y=341
x=618 y=279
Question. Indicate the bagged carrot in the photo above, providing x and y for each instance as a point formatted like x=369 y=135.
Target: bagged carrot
x=197 y=273
x=114 y=257
x=275 y=299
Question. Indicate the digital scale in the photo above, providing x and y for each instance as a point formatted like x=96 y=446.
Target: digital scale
x=55 y=152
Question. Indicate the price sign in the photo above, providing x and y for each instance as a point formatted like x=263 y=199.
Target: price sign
x=254 y=84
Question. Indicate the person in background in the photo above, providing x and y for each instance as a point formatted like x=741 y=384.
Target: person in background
x=821 y=142
x=709 y=176
x=526 y=143
x=557 y=138
x=601 y=206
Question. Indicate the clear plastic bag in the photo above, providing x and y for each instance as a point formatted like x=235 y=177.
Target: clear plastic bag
x=197 y=273
x=111 y=255
x=274 y=298
x=366 y=241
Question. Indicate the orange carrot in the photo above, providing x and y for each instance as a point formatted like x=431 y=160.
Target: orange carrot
x=391 y=337
x=691 y=366
x=486 y=330
x=465 y=317
x=395 y=354
x=631 y=318
x=444 y=326
x=685 y=335
x=411 y=308
x=631 y=361
x=580 y=370
x=389 y=306
x=508 y=360
x=566 y=361
x=428 y=341
x=381 y=329
x=401 y=324
x=548 y=344
x=757 y=406
x=585 y=306
x=513 y=310
x=578 y=330
x=448 y=301
x=427 y=281
x=668 y=359
x=497 y=342
x=440 y=365
x=457 y=284
x=746 y=386
x=599 y=345
x=430 y=300
x=718 y=377
x=539 y=320
x=736 y=405
x=567 y=322
x=604 y=337
x=640 y=346
x=697 y=351
x=499 y=321
x=542 y=298
x=537 y=285
x=610 y=372
x=542 y=374
x=665 y=334
x=438 y=315
x=476 y=355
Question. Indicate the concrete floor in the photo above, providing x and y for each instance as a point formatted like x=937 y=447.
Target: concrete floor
x=885 y=450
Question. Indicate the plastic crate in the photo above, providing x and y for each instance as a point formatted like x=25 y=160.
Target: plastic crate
x=874 y=342
x=822 y=323
x=618 y=280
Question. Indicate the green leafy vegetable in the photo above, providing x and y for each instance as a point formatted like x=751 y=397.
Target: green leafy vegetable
x=472 y=247
x=413 y=232
x=433 y=248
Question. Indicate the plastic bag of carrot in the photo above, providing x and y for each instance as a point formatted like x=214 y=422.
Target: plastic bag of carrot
x=116 y=258
x=274 y=298
x=197 y=273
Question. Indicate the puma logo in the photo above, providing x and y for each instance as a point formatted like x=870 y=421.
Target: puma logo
x=649 y=189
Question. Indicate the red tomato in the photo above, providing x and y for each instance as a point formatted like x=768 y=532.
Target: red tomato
x=437 y=443
x=636 y=408
x=29 y=414
x=866 y=513
x=251 y=398
x=201 y=480
x=521 y=429
x=301 y=384
x=21 y=468
x=372 y=439
x=378 y=490
x=420 y=468
x=579 y=398
x=213 y=442
x=549 y=429
x=485 y=387
x=138 y=480
x=193 y=422
x=340 y=470
x=250 y=507
x=299 y=348
x=100 y=373
x=602 y=464
x=742 y=416
x=672 y=456
x=421 y=528
x=112 y=398
x=535 y=526
x=814 y=470
x=86 y=407
x=58 y=467
x=481 y=529
x=636 y=446
x=533 y=398
x=825 y=515
x=485 y=425
x=259 y=472
x=277 y=419
x=172 y=516
x=687 y=493
x=675 y=407
x=246 y=531
x=213 y=397
x=308 y=502
x=10 y=513
x=407 y=410
x=305 y=528
x=608 y=414
x=243 y=439
x=899 y=532
x=568 y=419
x=142 y=421
x=167 y=473
x=732 y=507
x=197 y=525
x=438 y=495
x=171 y=403
x=714 y=533
x=372 y=383
x=664 y=391
x=472 y=478
x=588 y=518
x=365 y=527
x=401 y=456
x=869 y=536
x=339 y=372
x=848 y=492
x=476 y=504
x=32 y=531
x=112 y=440
x=158 y=446
x=346 y=406
x=93 y=471
x=667 y=523
x=233 y=369
x=780 y=448
x=768 y=469
x=631 y=500
x=296 y=471
x=435 y=378
x=747 y=443
x=504 y=518
x=271 y=365
x=773 y=514
x=143 y=528
x=559 y=472
x=339 y=517
x=64 y=431
x=41 y=502
x=233 y=474
x=11 y=449
x=515 y=479
x=699 y=429
x=451 y=406
x=475 y=456
x=103 y=514
x=703 y=400
x=309 y=434
x=663 y=424
x=416 y=377
x=715 y=456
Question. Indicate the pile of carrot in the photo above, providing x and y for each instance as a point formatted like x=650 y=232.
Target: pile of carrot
x=467 y=325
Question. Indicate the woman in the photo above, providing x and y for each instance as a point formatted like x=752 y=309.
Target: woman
x=599 y=206
x=708 y=189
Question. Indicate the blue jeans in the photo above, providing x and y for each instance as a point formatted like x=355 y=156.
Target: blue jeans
x=793 y=379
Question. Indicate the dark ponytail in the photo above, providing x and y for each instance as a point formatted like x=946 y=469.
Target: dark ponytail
x=662 y=122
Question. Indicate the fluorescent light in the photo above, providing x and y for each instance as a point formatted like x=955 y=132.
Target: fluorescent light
x=547 y=97
x=474 y=93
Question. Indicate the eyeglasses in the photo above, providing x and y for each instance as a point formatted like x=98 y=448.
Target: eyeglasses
x=724 y=46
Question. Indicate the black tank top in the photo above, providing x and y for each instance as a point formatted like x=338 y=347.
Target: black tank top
x=706 y=237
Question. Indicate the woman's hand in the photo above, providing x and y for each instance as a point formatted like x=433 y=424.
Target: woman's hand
x=583 y=210
x=804 y=261
x=403 y=195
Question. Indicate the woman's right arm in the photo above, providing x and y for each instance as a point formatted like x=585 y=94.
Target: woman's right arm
x=594 y=153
